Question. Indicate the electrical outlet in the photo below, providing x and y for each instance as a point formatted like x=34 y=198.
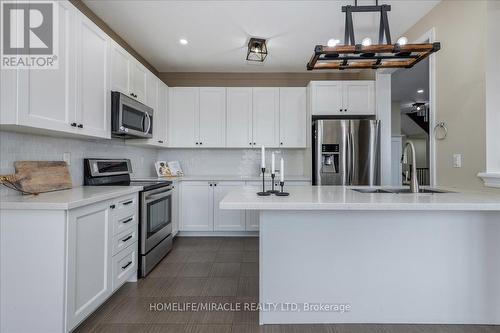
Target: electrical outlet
x=457 y=160
x=67 y=158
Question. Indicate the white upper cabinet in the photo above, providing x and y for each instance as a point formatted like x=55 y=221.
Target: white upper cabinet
x=359 y=97
x=160 y=116
x=93 y=93
x=120 y=69
x=342 y=97
x=138 y=81
x=46 y=98
x=212 y=118
x=183 y=117
x=227 y=220
x=152 y=83
x=239 y=117
x=293 y=117
x=265 y=117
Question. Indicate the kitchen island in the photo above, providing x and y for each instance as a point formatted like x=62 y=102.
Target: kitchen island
x=333 y=255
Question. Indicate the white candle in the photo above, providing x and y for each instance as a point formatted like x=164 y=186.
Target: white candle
x=282 y=171
x=273 y=168
x=263 y=157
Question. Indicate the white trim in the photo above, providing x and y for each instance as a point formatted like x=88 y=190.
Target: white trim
x=490 y=179
x=217 y=234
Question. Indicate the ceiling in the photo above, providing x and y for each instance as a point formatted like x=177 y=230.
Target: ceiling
x=218 y=31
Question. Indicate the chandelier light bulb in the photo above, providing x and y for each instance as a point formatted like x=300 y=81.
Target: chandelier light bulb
x=332 y=42
x=402 y=41
x=366 y=41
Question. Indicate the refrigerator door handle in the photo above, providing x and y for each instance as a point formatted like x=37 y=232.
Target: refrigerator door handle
x=348 y=157
x=352 y=157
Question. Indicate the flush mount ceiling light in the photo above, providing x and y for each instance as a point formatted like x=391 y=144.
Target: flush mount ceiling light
x=183 y=41
x=368 y=55
x=257 y=49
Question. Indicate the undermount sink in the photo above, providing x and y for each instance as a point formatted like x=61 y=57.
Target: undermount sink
x=398 y=190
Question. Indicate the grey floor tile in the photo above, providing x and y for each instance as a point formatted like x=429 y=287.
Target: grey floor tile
x=226 y=269
x=251 y=244
x=229 y=256
x=187 y=286
x=249 y=269
x=202 y=256
x=232 y=245
x=247 y=328
x=208 y=328
x=250 y=256
x=248 y=286
x=141 y=328
x=221 y=286
x=166 y=269
x=177 y=256
x=196 y=269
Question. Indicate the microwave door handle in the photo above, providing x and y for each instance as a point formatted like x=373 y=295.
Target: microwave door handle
x=149 y=123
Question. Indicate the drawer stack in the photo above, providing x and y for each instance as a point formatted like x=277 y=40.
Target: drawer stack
x=124 y=217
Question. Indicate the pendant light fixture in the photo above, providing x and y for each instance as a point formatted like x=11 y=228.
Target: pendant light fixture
x=368 y=55
x=257 y=50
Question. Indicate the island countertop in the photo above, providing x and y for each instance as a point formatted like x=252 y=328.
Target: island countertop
x=345 y=198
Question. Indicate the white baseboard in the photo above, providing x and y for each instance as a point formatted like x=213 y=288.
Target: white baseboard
x=217 y=234
x=490 y=179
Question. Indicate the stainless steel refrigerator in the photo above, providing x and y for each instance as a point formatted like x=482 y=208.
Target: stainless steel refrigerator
x=346 y=152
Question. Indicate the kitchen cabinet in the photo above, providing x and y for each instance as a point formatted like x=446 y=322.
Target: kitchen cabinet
x=93 y=109
x=239 y=117
x=89 y=260
x=212 y=117
x=252 y=220
x=197 y=206
x=265 y=119
x=293 y=117
x=138 y=79
x=227 y=220
x=183 y=116
x=152 y=96
x=120 y=69
x=342 y=98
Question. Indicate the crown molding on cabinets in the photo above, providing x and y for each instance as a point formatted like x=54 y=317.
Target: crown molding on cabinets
x=101 y=24
x=199 y=79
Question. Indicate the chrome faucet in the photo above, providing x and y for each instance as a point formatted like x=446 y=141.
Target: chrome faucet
x=404 y=159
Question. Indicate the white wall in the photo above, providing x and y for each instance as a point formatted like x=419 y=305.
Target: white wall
x=242 y=162
x=17 y=146
x=395 y=118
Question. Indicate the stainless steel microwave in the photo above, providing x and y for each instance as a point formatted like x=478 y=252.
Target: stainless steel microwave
x=130 y=118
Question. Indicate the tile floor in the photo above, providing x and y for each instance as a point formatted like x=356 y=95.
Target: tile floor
x=220 y=270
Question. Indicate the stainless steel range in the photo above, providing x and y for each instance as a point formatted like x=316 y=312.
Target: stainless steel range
x=155 y=209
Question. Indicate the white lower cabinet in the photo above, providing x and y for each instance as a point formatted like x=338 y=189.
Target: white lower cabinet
x=197 y=207
x=252 y=220
x=227 y=220
x=71 y=262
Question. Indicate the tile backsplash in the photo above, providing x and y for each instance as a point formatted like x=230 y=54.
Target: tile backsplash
x=18 y=146
x=243 y=162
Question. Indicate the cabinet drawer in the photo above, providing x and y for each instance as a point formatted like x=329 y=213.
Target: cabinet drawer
x=124 y=265
x=123 y=223
x=124 y=206
x=124 y=239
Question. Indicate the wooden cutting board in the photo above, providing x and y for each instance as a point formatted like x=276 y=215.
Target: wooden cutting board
x=42 y=176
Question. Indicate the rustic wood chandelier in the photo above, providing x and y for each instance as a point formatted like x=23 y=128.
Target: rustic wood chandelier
x=367 y=56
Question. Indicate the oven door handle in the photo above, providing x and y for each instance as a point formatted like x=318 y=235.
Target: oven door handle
x=153 y=197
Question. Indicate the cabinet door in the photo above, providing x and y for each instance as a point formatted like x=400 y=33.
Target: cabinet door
x=152 y=91
x=239 y=118
x=138 y=79
x=183 y=117
x=326 y=98
x=47 y=98
x=212 y=119
x=93 y=93
x=197 y=207
x=227 y=220
x=293 y=117
x=120 y=69
x=265 y=117
x=160 y=116
x=89 y=260
x=358 y=97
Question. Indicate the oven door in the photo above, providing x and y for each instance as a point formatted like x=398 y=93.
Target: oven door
x=156 y=217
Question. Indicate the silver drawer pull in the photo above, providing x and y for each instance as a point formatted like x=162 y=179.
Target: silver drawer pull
x=127 y=238
x=128 y=220
x=128 y=264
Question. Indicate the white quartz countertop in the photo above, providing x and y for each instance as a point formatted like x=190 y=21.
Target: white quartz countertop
x=66 y=199
x=344 y=198
x=226 y=178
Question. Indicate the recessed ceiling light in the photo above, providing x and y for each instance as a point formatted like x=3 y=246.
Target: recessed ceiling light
x=420 y=91
x=183 y=41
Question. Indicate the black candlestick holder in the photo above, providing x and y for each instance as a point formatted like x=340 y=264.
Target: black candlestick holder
x=281 y=193
x=272 y=190
x=263 y=193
